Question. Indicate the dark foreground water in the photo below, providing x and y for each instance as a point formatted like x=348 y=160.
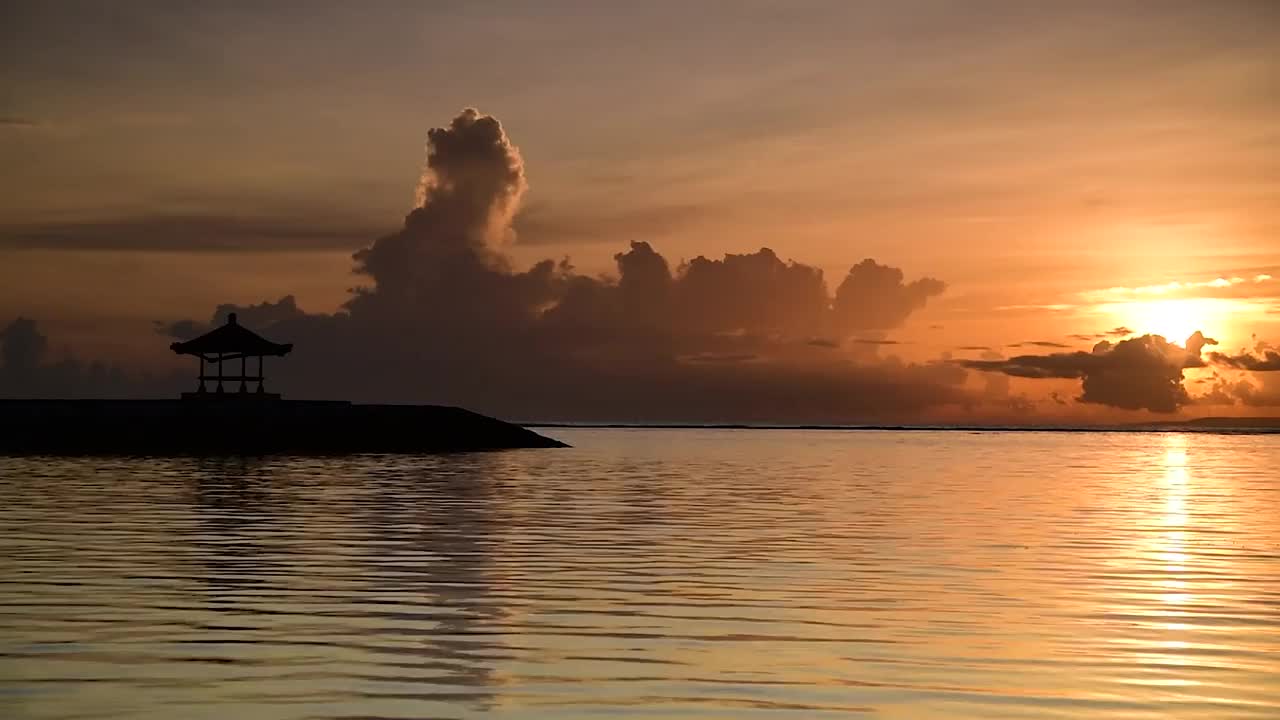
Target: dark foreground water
x=655 y=573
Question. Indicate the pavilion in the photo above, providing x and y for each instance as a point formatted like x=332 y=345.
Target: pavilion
x=226 y=344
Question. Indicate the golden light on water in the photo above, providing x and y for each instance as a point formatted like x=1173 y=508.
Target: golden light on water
x=1173 y=549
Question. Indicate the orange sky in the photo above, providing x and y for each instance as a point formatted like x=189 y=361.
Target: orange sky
x=1065 y=170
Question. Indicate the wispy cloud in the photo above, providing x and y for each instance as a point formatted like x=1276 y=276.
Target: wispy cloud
x=1039 y=343
x=875 y=341
x=1116 y=332
x=1252 y=284
x=1056 y=307
x=15 y=122
x=190 y=233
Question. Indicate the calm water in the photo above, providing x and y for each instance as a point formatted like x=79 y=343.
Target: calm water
x=666 y=573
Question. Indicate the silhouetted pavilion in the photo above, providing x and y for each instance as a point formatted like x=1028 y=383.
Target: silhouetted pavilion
x=228 y=343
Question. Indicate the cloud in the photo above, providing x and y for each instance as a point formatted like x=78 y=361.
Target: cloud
x=1040 y=343
x=265 y=314
x=26 y=370
x=875 y=297
x=23 y=347
x=1054 y=307
x=190 y=233
x=1257 y=282
x=1264 y=361
x=445 y=317
x=1116 y=332
x=1267 y=394
x=707 y=357
x=16 y=122
x=1142 y=373
x=755 y=292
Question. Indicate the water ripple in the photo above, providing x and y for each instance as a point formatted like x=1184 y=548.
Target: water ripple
x=699 y=574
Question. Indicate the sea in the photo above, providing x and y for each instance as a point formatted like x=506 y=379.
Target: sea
x=653 y=573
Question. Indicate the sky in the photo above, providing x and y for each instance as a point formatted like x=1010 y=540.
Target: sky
x=1040 y=190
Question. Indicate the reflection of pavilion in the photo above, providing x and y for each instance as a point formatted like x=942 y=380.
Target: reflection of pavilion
x=228 y=343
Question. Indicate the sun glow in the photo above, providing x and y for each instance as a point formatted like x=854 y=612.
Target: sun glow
x=1176 y=320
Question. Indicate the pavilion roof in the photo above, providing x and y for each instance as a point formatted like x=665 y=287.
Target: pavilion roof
x=231 y=339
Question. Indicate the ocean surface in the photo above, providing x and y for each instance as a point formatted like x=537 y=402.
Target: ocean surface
x=653 y=574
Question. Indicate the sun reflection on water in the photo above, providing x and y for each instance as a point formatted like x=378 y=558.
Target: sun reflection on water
x=1173 y=548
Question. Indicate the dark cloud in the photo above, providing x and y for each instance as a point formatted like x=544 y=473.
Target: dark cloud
x=1259 y=390
x=23 y=347
x=1266 y=394
x=15 y=122
x=718 y=358
x=1142 y=373
x=983 y=348
x=1116 y=332
x=1264 y=361
x=875 y=341
x=996 y=391
x=875 y=297
x=265 y=314
x=189 y=233
x=783 y=296
x=1194 y=346
x=26 y=370
x=444 y=317
x=1220 y=392
x=1039 y=343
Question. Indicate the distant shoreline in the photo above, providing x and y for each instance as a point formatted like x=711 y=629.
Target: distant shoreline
x=1214 y=425
x=250 y=424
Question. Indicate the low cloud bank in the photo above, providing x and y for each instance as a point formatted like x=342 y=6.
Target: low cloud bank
x=1146 y=373
x=28 y=369
x=1142 y=373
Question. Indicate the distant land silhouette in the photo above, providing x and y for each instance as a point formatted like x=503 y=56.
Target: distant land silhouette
x=246 y=426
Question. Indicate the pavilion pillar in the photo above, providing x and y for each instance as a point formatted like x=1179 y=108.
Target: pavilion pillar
x=243 y=386
x=202 y=388
x=219 y=372
x=260 y=378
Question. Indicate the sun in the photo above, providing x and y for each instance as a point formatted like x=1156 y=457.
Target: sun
x=1176 y=320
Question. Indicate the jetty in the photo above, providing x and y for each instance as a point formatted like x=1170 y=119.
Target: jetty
x=230 y=412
